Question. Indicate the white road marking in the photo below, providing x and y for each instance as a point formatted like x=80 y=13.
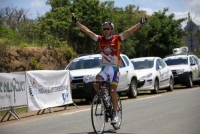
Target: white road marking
x=76 y=111
x=148 y=97
x=135 y=99
x=73 y=112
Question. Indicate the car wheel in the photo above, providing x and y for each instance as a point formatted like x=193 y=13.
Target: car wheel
x=171 y=85
x=189 y=83
x=133 y=89
x=156 y=87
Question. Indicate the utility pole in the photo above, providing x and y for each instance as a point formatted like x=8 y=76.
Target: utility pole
x=189 y=21
x=191 y=42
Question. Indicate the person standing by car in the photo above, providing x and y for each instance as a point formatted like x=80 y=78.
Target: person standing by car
x=110 y=50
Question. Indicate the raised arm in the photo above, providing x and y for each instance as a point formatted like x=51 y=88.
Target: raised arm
x=135 y=27
x=82 y=27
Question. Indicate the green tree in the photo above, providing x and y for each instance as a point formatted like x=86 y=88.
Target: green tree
x=59 y=3
x=52 y=28
x=57 y=23
x=91 y=13
x=164 y=34
x=9 y=37
x=123 y=19
x=17 y=20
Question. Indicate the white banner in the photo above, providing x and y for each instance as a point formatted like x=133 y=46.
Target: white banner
x=12 y=89
x=48 y=88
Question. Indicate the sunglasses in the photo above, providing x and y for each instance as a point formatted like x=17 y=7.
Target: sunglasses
x=106 y=29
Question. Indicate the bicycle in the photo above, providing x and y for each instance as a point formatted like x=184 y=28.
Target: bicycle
x=101 y=108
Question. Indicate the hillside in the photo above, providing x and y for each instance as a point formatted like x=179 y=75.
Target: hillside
x=15 y=59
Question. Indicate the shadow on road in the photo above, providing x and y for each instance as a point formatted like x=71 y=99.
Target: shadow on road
x=110 y=131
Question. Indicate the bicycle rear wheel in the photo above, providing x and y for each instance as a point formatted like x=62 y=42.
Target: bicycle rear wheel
x=98 y=114
x=119 y=108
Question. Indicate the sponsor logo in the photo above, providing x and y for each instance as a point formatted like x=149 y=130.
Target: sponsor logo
x=107 y=50
x=32 y=88
x=64 y=96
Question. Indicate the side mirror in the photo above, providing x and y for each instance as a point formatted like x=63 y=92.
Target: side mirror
x=192 y=64
x=159 y=67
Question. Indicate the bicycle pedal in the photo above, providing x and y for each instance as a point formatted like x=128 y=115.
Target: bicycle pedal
x=113 y=123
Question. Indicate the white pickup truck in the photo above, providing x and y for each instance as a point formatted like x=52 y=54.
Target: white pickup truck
x=185 y=68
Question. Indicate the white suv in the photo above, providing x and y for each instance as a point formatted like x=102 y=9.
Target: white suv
x=84 y=69
x=185 y=68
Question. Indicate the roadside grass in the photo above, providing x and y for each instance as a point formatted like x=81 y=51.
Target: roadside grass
x=178 y=86
x=17 y=110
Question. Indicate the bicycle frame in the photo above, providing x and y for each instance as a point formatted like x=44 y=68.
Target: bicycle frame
x=107 y=87
x=101 y=109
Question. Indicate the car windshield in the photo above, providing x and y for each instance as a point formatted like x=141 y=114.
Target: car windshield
x=177 y=61
x=142 y=64
x=84 y=64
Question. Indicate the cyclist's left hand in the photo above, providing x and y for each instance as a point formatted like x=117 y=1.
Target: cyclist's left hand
x=144 y=20
x=73 y=18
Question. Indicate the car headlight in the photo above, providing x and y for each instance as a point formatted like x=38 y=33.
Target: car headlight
x=180 y=71
x=89 y=78
x=146 y=76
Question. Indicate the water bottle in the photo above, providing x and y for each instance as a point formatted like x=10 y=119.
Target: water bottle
x=106 y=97
x=108 y=100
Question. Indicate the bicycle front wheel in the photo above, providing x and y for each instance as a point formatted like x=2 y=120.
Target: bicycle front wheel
x=98 y=114
x=119 y=110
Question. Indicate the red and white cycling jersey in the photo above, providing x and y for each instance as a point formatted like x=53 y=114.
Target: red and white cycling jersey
x=110 y=50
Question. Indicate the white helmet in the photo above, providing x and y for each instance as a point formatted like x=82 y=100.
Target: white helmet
x=108 y=23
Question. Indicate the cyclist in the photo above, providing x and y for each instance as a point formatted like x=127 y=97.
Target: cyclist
x=110 y=50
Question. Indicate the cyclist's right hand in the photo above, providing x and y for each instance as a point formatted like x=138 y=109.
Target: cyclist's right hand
x=73 y=18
